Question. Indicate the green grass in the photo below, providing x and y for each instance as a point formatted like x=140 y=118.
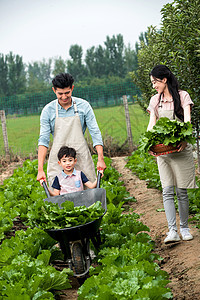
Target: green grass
x=112 y=121
x=23 y=132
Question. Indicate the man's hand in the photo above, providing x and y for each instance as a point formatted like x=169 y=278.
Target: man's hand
x=100 y=164
x=42 y=152
x=41 y=176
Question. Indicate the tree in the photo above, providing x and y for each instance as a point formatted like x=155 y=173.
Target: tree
x=16 y=74
x=114 y=52
x=100 y=62
x=176 y=44
x=4 y=89
x=39 y=75
x=75 y=65
x=131 y=56
x=95 y=61
x=90 y=61
x=59 y=66
x=45 y=70
x=130 y=59
x=143 y=38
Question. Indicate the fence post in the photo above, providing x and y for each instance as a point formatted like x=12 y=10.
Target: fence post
x=128 y=123
x=198 y=153
x=4 y=130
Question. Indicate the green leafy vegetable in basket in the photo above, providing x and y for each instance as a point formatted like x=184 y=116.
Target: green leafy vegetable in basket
x=167 y=132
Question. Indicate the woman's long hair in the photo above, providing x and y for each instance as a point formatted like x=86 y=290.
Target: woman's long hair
x=162 y=71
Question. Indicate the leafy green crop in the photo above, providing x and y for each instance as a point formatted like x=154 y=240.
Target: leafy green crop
x=25 y=272
x=48 y=215
x=167 y=132
x=126 y=263
x=145 y=166
x=115 y=189
x=137 y=281
x=126 y=267
x=28 y=277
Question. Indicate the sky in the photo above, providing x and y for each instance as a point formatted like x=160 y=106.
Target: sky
x=42 y=29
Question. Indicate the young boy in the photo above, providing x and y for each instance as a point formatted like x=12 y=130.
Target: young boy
x=69 y=180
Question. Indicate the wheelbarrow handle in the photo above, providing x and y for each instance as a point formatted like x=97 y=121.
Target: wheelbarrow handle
x=46 y=189
x=98 y=179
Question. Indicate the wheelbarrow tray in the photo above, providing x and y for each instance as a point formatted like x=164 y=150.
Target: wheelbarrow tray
x=87 y=230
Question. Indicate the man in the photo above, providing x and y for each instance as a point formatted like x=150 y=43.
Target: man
x=67 y=118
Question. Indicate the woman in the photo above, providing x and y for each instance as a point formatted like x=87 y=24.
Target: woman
x=177 y=169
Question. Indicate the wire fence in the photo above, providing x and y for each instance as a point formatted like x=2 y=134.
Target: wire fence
x=97 y=96
x=23 y=112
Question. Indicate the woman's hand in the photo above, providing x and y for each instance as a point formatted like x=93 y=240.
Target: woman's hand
x=181 y=146
x=153 y=153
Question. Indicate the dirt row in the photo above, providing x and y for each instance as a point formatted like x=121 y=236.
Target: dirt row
x=180 y=260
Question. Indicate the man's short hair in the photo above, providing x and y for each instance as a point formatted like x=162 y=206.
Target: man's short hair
x=66 y=152
x=62 y=81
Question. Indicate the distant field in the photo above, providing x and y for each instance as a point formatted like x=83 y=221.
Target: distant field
x=112 y=121
x=23 y=132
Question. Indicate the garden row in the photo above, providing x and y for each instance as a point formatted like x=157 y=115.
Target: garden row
x=126 y=265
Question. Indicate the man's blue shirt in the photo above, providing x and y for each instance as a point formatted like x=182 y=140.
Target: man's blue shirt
x=86 y=114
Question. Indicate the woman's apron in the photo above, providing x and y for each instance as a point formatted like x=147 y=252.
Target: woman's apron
x=68 y=132
x=176 y=169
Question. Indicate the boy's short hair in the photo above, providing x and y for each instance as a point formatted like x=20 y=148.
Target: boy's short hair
x=66 y=152
x=62 y=81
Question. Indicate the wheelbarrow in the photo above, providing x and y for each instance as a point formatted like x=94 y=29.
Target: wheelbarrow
x=75 y=241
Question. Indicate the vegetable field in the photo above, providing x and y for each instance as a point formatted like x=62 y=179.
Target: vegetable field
x=125 y=268
x=130 y=262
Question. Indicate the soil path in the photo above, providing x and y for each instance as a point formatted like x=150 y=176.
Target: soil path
x=182 y=260
x=8 y=170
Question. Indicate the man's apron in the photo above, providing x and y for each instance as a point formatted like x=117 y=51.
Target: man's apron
x=176 y=169
x=68 y=132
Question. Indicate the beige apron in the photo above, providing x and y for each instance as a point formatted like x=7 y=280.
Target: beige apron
x=68 y=132
x=176 y=169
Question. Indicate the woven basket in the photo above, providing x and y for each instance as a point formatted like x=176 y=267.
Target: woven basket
x=161 y=148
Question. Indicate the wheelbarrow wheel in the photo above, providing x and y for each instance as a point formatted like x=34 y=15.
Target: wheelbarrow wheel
x=78 y=258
